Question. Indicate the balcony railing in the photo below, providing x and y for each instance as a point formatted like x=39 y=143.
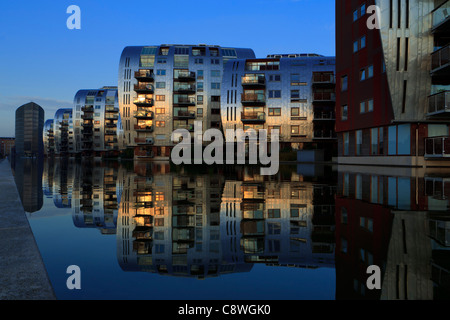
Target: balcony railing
x=147 y=141
x=254 y=80
x=186 y=101
x=185 y=88
x=143 y=102
x=253 y=98
x=144 y=88
x=144 y=75
x=87 y=109
x=144 y=128
x=324 y=96
x=324 y=134
x=110 y=116
x=323 y=78
x=439 y=103
x=185 y=76
x=188 y=127
x=440 y=58
x=184 y=114
x=437 y=147
x=253 y=116
x=324 y=115
x=144 y=114
x=441 y=14
x=112 y=109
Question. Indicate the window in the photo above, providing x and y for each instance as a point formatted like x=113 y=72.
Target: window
x=215 y=73
x=295 y=130
x=160 y=98
x=215 y=61
x=181 y=61
x=161 y=60
x=199 y=99
x=295 y=79
x=355 y=46
x=344 y=83
x=362 y=42
x=160 y=110
x=160 y=72
x=295 y=94
x=363 y=10
x=344 y=113
x=199 y=112
x=366 y=106
x=199 y=61
x=160 y=124
x=359 y=44
x=200 y=86
x=362 y=74
x=358 y=142
x=200 y=74
x=215 y=85
x=274 y=213
x=275 y=112
x=275 y=78
x=160 y=85
x=355 y=15
x=346 y=143
x=275 y=94
x=366 y=73
x=295 y=112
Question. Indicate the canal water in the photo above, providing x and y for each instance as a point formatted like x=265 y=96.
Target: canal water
x=140 y=230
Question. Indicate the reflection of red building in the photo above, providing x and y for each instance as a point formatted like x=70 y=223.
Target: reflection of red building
x=398 y=223
x=363 y=231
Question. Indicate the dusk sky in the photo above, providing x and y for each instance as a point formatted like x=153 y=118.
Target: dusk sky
x=41 y=60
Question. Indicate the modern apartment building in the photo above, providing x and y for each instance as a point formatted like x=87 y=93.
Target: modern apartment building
x=49 y=138
x=393 y=83
x=63 y=132
x=290 y=93
x=29 y=128
x=96 y=118
x=168 y=87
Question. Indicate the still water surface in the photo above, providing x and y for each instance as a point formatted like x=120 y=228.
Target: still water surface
x=154 y=231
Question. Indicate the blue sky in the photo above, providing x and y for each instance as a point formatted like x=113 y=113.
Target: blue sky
x=43 y=61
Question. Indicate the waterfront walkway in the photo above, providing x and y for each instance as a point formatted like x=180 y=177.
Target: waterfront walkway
x=22 y=272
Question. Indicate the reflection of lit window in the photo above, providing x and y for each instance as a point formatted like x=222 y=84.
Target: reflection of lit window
x=159 y=222
x=159 y=196
x=274 y=213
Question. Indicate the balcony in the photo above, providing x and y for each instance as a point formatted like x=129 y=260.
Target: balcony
x=437 y=147
x=145 y=75
x=440 y=62
x=144 y=141
x=324 y=97
x=323 y=79
x=142 y=114
x=253 y=117
x=326 y=115
x=441 y=18
x=109 y=116
x=112 y=109
x=180 y=114
x=254 y=81
x=325 y=134
x=184 y=76
x=439 y=104
x=88 y=124
x=143 y=102
x=186 y=89
x=253 y=99
x=87 y=116
x=184 y=101
x=144 y=88
x=144 y=128
x=110 y=132
x=87 y=109
x=188 y=127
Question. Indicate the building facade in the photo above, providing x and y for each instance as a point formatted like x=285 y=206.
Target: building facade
x=7 y=146
x=96 y=118
x=168 y=87
x=49 y=138
x=63 y=132
x=290 y=93
x=29 y=128
x=392 y=97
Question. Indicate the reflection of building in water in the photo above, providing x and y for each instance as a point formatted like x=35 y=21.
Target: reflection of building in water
x=170 y=224
x=189 y=225
x=95 y=197
x=387 y=220
x=63 y=182
x=28 y=176
x=278 y=222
